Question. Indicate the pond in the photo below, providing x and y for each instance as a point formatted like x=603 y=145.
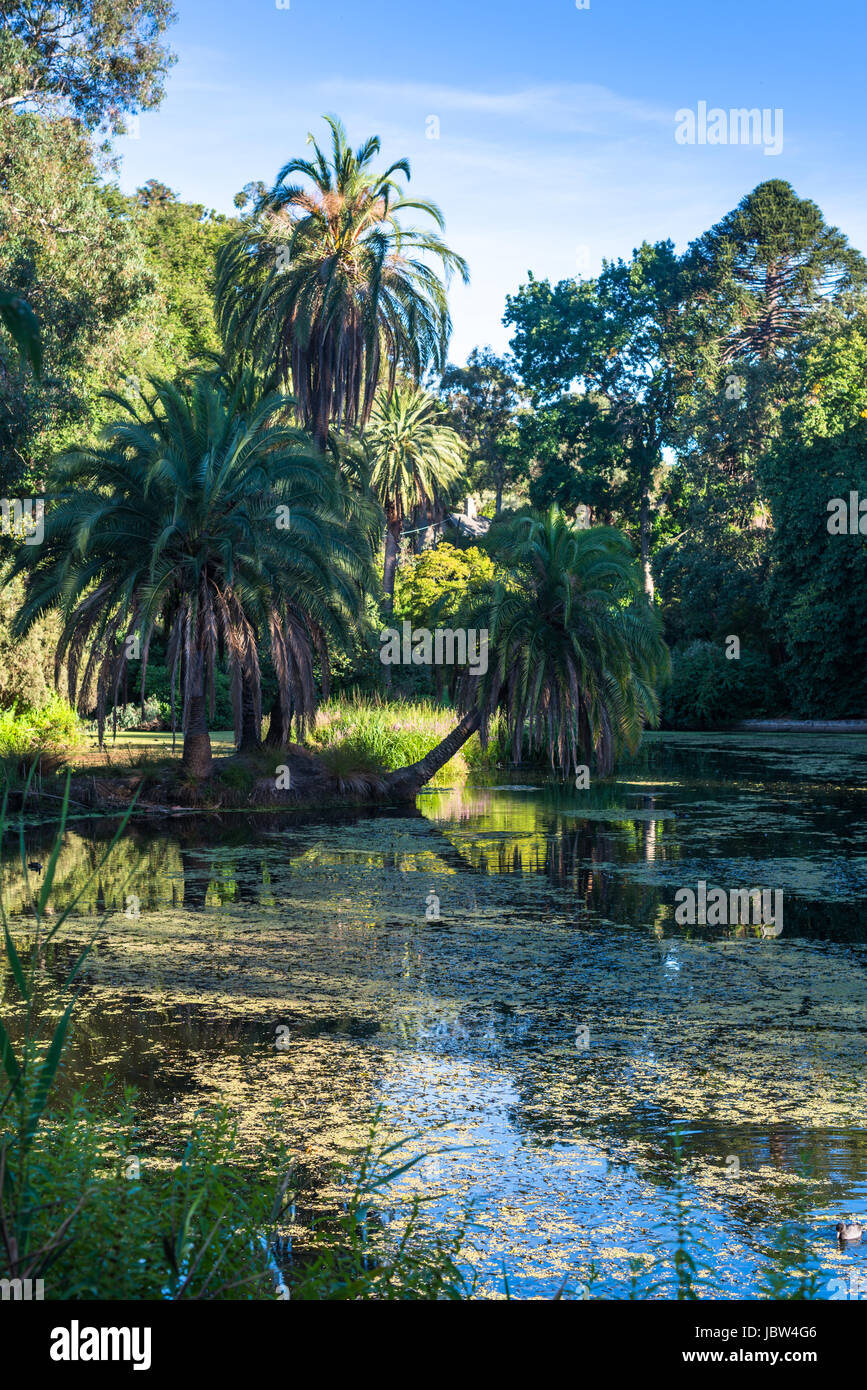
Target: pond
x=502 y=973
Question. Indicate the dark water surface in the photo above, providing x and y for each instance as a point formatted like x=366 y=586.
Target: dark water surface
x=556 y=929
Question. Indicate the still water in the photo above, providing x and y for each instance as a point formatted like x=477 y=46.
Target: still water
x=549 y=1031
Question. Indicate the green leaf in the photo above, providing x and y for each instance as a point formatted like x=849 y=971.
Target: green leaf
x=15 y=963
x=47 y=1072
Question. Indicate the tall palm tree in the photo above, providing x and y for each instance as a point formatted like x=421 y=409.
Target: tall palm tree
x=216 y=524
x=330 y=291
x=416 y=460
x=575 y=652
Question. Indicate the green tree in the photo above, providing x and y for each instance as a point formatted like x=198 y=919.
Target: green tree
x=327 y=287
x=763 y=285
x=431 y=586
x=154 y=193
x=620 y=340
x=816 y=588
x=767 y=283
x=71 y=250
x=416 y=460
x=482 y=400
x=95 y=59
x=574 y=647
x=183 y=241
x=214 y=524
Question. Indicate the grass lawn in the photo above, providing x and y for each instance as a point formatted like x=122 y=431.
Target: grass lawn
x=222 y=741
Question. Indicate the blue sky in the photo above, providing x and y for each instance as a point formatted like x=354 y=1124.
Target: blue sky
x=556 y=124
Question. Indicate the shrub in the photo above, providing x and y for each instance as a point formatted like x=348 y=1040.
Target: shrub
x=130 y=716
x=26 y=663
x=429 y=587
x=26 y=732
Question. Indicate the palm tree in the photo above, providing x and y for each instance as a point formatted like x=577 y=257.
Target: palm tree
x=216 y=523
x=329 y=291
x=416 y=459
x=575 y=652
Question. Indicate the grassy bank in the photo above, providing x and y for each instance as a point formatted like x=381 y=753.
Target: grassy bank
x=354 y=743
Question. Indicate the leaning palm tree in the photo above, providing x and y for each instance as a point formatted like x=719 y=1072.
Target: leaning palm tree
x=329 y=290
x=574 y=650
x=416 y=460
x=216 y=525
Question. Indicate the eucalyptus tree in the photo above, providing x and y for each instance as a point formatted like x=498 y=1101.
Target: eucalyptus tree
x=93 y=59
x=620 y=345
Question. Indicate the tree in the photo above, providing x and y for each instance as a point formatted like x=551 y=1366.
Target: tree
x=482 y=400
x=431 y=586
x=620 y=339
x=766 y=271
x=416 y=459
x=329 y=290
x=217 y=525
x=183 y=241
x=70 y=249
x=575 y=652
x=816 y=588
x=93 y=59
x=154 y=193
x=763 y=284
x=576 y=457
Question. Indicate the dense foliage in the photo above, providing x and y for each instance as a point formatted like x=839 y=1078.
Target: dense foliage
x=708 y=406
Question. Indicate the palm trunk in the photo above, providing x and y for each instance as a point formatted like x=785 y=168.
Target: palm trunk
x=197 y=741
x=406 y=781
x=392 y=547
x=278 y=734
x=250 y=738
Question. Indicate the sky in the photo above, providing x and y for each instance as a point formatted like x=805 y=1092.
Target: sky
x=556 y=125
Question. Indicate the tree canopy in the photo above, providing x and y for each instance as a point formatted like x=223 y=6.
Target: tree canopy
x=96 y=60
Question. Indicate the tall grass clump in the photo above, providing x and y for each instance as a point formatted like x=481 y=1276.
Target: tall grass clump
x=380 y=736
